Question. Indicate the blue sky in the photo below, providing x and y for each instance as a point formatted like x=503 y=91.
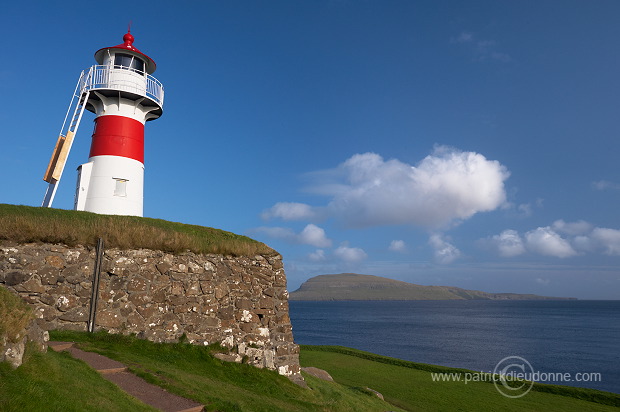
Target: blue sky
x=470 y=144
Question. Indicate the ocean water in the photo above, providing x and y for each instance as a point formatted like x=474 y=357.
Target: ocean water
x=567 y=337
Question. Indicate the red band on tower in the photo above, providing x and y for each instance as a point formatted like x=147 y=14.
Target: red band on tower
x=118 y=136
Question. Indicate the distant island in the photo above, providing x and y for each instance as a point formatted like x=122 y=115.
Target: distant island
x=352 y=286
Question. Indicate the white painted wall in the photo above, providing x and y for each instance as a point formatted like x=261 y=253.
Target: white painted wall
x=101 y=194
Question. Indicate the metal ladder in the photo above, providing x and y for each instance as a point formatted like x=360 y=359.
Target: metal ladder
x=65 y=139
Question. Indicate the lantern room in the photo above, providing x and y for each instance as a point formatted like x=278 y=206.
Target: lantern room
x=126 y=56
x=125 y=69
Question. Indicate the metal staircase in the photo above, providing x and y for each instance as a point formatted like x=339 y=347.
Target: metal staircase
x=67 y=134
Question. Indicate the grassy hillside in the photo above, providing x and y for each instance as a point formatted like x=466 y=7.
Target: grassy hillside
x=352 y=286
x=55 y=381
x=187 y=370
x=36 y=224
x=410 y=385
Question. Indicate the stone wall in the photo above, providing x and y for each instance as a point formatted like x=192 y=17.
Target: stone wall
x=240 y=302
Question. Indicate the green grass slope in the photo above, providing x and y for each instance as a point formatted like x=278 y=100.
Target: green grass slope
x=193 y=372
x=56 y=381
x=410 y=385
x=352 y=286
x=24 y=224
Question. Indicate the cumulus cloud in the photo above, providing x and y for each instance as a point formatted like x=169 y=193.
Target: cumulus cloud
x=315 y=236
x=398 y=246
x=341 y=255
x=561 y=239
x=445 y=187
x=444 y=251
x=310 y=235
x=350 y=254
x=508 y=243
x=546 y=241
x=572 y=228
x=584 y=244
x=317 y=256
x=608 y=240
x=289 y=211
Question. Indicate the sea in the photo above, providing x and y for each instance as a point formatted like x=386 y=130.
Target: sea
x=568 y=342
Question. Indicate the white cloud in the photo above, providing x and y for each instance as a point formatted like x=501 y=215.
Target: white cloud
x=317 y=256
x=543 y=281
x=572 y=228
x=580 y=237
x=444 y=251
x=608 y=239
x=508 y=243
x=310 y=235
x=545 y=241
x=350 y=254
x=315 y=236
x=398 y=246
x=289 y=211
x=443 y=188
x=584 y=243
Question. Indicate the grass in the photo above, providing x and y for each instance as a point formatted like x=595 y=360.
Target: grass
x=15 y=315
x=53 y=381
x=25 y=224
x=410 y=385
x=193 y=372
x=57 y=382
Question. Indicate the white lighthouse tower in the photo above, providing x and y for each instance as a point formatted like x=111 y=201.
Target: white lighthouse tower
x=124 y=96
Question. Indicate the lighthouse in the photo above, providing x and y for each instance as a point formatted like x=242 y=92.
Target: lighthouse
x=124 y=95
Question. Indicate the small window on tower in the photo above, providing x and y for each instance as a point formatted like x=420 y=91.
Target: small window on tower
x=121 y=187
x=122 y=60
x=137 y=65
x=126 y=61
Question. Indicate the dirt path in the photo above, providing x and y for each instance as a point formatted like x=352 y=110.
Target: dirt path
x=117 y=373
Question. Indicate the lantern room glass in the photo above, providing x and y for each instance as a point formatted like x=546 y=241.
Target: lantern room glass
x=127 y=61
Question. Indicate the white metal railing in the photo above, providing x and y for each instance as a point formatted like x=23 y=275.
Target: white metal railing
x=122 y=78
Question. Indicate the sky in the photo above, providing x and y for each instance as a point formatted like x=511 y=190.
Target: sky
x=471 y=144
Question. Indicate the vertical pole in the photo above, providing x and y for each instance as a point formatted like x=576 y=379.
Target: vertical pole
x=95 y=288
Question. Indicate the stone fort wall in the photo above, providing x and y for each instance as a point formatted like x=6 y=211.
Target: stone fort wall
x=240 y=302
